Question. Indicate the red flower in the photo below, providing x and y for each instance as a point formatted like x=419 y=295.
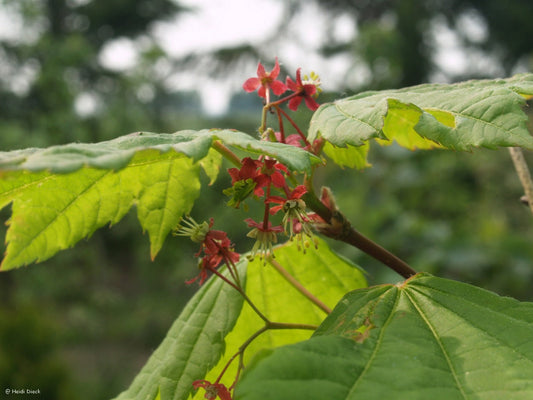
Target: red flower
x=270 y=174
x=212 y=390
x=215 y=245
x=264 y=237
x=265 y=81
x=293 y=196
x=305 y=91
x=262 y=173
x=248 y=170
x=295 y=218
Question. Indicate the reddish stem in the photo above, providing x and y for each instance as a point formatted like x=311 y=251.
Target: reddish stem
x=281 y=129
x=285 y=99
x=338 y=228
x=304 y=138
x=267 y=210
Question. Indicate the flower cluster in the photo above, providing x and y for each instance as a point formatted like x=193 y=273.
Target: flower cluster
x=215 y=246
x=305 y=90
x=265 y=179
x=259 y=173
x=260 y=177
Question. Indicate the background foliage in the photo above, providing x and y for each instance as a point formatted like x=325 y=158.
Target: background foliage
x=99 y=322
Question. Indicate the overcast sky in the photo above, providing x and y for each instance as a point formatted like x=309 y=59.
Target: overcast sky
x=213 y=24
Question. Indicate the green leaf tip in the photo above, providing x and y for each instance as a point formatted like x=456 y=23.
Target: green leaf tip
x=460 y=116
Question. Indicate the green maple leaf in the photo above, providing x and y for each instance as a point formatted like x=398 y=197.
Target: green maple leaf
x=426 y=338
x=62 y=194
x=461 y=116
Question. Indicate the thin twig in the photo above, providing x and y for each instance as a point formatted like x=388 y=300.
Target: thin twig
x=337 y=227
x=523 y=173
x=374 y=250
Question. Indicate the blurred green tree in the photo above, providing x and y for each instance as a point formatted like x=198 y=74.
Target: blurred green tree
x=56 y=86
x=395 y=39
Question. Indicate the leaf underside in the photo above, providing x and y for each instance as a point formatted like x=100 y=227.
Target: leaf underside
x=62 y=194
x=321 y=271
x=215 y=323
x=427 y=338
x=192 y=346
x=461 y=116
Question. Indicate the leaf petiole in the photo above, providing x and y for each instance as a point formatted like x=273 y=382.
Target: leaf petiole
x=227 y=153
x=298 y=286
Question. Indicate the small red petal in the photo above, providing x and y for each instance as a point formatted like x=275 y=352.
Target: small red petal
x=217 y=235
x=202 y=275
x=278 y=87
x=298 y=78
x=312 y=217
x=278 y=179
x=261 y=71
x=251 y=84
x=294 y=140
x=261 y=181
x=309 y=90
x=222 y=391
x=291 y=84
x=235 y=176
x=248 y=169
x=259 y=192
x=275 y=209
x=276 y=199
x=252 y=224
x=276 y=229
x=200 y=383
x=298 y=192
x=294 y=103
x=233 y=257
x=311 y=103
x=262 y=92
x=191 y=281
x=281 y=167
x=275 y=71
x=269 y=164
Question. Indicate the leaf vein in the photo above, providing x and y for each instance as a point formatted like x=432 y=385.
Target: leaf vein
x=439 y=342
x=379 y=341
